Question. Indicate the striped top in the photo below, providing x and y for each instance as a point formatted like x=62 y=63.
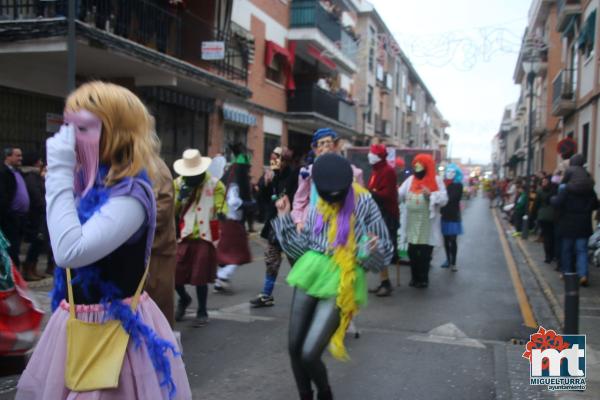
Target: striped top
x=367 y=220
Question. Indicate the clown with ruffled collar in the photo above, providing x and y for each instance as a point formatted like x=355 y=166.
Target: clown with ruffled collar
x=101 y=217
x=344 y=235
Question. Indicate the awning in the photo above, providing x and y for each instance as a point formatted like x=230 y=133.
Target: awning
x=588 y=32
x=238 y=115
x=289 y=55
x=317 y=54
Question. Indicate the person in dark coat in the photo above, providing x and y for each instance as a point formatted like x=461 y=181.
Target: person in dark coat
x=451 y=218
x=283 y=183
x=14 y=201
x=575 y=227
x=34 y=228
x=545 y=217
x=382 y=187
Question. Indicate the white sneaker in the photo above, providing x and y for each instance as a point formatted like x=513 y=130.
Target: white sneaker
x=454 y=268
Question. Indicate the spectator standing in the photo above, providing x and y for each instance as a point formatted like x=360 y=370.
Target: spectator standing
x=545 y=217
x=14 y=201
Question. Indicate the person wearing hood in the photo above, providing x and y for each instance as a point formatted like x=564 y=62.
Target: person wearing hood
x=382 y=186
x=451 y=218
x=424 y=194
x=343 y=236
x=575 y=204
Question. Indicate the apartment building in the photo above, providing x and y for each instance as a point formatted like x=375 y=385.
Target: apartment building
x=394 y=104
x=559 y=47
x=155 y=50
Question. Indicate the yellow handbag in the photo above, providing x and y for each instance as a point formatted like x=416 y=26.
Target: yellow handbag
x=95 y=351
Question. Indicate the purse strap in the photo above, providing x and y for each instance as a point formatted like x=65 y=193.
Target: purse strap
x=134 y=302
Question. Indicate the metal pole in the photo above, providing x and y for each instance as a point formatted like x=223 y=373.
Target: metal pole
x=71 y=60
x=571 y=303
x=525 y=228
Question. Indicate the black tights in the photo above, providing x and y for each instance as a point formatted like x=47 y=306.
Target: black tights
x=451 y=248
x=201 y=294
x=420 y=259
x=313 y=322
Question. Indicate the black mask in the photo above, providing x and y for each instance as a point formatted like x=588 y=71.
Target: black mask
x=193 y=181
x=420 y=174
x=336 y=197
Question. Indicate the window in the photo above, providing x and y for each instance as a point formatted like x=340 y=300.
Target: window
x=585 y=41
x=371 y=59
x=370 y=103
x=398 y=73
x=397 y=121
x=275 y=70
x=270 y=142
x=586 y=141
x=234 y=134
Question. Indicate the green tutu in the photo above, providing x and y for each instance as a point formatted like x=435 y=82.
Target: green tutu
x=319 y=276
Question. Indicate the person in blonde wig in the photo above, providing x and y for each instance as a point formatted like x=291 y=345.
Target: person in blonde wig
x=101 y=218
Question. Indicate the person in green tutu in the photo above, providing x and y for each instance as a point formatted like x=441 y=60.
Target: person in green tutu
x=344 y=235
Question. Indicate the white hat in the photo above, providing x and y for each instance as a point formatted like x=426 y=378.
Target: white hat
x=192 y=163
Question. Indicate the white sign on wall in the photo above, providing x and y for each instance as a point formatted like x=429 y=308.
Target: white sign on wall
x=213 y=50
x=53 y=122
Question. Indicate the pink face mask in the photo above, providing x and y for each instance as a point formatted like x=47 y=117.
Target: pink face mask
x=88 y=129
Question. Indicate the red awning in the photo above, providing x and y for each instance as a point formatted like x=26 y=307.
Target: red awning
x=317 y=54
x=289 y=55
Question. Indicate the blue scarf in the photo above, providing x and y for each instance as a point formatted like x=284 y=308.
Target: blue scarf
x=89 y=277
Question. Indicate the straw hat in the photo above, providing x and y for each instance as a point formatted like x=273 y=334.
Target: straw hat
x=192 y=163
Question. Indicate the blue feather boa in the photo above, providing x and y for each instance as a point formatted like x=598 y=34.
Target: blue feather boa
x=89 y=277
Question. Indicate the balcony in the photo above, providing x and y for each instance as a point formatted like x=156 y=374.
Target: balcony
x=563 y=93
x=567 y=9
x=313 y=99
x=311 y=24
x=310 y=14
x=175 y=33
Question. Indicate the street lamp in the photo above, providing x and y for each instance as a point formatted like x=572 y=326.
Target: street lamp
x=531 y=67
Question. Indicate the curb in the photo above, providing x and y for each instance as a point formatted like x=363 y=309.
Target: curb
x=555 y=306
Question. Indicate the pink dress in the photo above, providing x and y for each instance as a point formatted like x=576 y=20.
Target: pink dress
x=43 y=379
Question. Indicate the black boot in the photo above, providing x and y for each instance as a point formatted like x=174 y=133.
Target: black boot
x=184 y=301
x=385 y=289
x=306 y=395
x=325 y=395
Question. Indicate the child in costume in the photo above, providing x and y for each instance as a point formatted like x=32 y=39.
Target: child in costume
x=343 y=236
x=451 y=218
x=101 y=218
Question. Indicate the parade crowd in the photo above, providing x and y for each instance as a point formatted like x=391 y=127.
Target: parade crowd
x=122 y=237
x=559 y=207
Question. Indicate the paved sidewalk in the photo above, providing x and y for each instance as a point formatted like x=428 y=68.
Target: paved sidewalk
x=548 y=281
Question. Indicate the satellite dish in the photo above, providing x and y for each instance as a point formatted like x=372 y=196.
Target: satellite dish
x=217 y=167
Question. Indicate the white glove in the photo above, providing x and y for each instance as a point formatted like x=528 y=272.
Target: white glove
x=60 y=149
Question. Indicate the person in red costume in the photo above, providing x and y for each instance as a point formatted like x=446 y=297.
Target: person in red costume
x=382 y=186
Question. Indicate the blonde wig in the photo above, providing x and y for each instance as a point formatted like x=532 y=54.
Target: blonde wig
x=128 y=143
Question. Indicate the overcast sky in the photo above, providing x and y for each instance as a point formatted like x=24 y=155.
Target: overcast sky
x=465 y=51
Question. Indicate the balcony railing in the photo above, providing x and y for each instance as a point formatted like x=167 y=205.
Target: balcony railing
x=382 y=126
x=311 y=98
x=539 y=121
x=177 y=33
x=566 y=9
x=563 y=92
x=310 y=14
x=349 y=46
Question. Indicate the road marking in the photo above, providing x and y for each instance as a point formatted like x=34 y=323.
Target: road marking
x=239 y=313
x=557 y=309
x=524 y=305
x=448 y=334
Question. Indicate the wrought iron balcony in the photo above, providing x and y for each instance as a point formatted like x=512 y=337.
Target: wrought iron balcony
x=311 y=98
x=310 y=14
x=177 y=33
x=563 y=93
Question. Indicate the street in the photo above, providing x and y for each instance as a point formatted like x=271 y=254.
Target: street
x=462 y=338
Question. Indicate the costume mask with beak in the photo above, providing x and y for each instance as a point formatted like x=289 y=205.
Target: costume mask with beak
x=88 y=130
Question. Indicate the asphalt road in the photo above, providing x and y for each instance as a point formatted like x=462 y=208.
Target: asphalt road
x=450 y=341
